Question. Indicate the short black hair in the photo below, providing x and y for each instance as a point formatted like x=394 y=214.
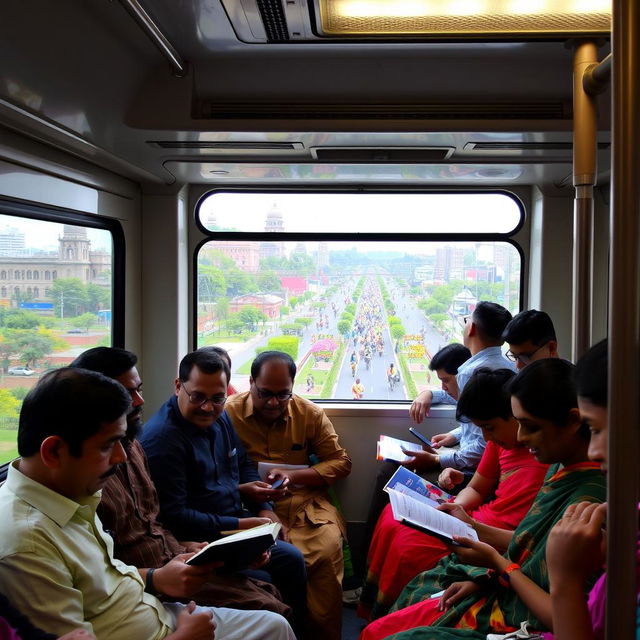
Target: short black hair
x=206 y=360
x=592 y=374
x=485 y=395
x=266 y=356
x=223 y=353
x=530 y=325
x=70 y=403
x=545 y=388
x=110 y=361
x=450 y=358
x=491 y=319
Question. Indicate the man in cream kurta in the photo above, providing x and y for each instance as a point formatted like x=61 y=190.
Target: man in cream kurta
x=279 y=427
x=56 y=561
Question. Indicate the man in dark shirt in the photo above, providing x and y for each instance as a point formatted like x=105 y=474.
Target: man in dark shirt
x=205 y=481
x=129 y=506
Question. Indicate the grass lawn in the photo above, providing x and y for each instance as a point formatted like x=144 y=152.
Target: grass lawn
x=8 y=445
x=245 y=369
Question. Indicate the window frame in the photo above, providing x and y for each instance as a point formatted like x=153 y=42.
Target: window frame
x=261 y=236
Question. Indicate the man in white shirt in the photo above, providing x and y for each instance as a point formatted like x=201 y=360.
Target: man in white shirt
x=56 y=562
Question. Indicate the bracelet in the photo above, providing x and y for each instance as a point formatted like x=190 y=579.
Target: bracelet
x=505 y=575
x=148 y=582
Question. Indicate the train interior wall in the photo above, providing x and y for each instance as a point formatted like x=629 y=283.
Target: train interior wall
x=161 y=235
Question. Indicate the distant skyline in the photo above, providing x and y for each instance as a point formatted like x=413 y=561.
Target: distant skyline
x=40 y=234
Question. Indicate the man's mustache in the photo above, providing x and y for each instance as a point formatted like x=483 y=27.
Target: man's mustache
x=111 y=471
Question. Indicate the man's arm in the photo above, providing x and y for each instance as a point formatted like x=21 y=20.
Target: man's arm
x=42 y=585
x=472 y=446
x=334 y=461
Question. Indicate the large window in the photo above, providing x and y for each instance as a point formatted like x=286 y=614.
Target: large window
x=350 y=283
x=55 y=302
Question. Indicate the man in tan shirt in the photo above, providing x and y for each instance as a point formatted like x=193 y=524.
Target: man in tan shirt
x=279 y=427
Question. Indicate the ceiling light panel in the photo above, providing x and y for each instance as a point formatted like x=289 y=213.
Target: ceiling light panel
x=442 y=18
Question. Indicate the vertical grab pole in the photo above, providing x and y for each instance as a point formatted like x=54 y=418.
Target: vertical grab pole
x=584 y=179
x=624 y=326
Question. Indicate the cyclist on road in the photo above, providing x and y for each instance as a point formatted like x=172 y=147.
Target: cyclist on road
x=392 y=376
x=357 y=389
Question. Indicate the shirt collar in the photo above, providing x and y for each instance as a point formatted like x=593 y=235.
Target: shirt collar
x=484 y=353
x=49 y=502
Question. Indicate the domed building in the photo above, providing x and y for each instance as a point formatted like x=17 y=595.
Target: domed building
x=31 y=276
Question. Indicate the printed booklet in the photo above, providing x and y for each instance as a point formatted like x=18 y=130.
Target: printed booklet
x=239 y=549
x=412 y=481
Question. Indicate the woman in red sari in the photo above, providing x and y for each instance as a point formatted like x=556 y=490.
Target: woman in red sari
x=507 y=471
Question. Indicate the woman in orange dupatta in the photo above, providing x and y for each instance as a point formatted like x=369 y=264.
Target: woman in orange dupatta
x=507 y=471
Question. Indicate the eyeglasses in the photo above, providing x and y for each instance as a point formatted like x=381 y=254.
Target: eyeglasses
x=281 y=396
x=525 y=358
x=199 y=398
x=466 y=319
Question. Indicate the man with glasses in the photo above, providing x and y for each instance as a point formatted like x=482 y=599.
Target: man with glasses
x=129 y=511
x=530 y=336
x=284 y=429
x=206 y=483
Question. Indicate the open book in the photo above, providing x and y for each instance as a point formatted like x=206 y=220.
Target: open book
x=409 y=480
x=415 y=510
x=391 y=449
x=239 y=549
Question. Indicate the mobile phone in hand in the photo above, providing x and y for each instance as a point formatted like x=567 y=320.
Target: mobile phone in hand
x=278 y=482
x=419 y=436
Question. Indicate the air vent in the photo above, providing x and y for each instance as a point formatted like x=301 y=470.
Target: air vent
x=274 y=20
x=525 y=146
x=382 y=155
x=456 y=111
x=228 y=146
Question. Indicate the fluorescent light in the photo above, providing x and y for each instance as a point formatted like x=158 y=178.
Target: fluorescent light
x=463 y=17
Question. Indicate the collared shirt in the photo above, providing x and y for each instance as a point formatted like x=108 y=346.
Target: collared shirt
x=129 y=512
x=469 y=436
x=57 y=565
x=196 y=473
x=303 y=430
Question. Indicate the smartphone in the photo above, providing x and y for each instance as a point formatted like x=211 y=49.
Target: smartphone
x=420 y=437
x=278 y=483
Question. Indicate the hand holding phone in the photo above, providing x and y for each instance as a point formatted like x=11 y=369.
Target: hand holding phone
x=277 y=484
x=420 y=437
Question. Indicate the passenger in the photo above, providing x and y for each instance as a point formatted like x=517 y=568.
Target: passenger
x=486 y=592
x=497 y=498
x=279 y=427
x=224 y=354
x=129 y=512
x=205 y=481
x=445 y=363
x=56 y=561
x=531 y=336
x=575 y=548
x=15 y=626
x=483 y=337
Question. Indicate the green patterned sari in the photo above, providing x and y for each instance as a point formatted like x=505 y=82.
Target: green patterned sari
x=494 y=608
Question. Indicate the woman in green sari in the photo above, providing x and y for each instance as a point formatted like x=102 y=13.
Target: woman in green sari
x=485 y=591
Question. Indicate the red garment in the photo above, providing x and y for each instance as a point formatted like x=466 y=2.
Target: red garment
x=421 y=614
x=231 y=390
x=399 y=553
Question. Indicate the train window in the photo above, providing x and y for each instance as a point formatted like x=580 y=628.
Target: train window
x=350 y=283
x=43 y=327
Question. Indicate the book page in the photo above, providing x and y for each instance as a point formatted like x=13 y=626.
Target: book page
x=405 y=507
x=390 y=449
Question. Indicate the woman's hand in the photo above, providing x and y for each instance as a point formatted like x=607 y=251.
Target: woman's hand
x=479 y=554
x=449 y=478
x=456 y=592
x=457 y=511
x=575 y=544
